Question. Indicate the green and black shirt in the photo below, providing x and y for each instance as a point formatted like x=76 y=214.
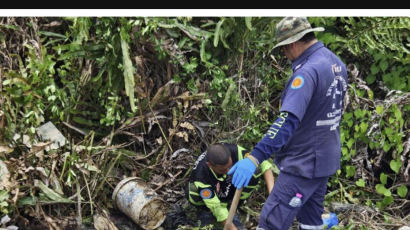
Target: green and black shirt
x=206 y=188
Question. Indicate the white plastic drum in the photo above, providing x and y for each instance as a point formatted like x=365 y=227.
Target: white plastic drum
x=139 y=202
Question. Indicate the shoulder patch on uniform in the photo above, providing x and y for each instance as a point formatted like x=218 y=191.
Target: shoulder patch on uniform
x=206 y=193
x=297 y=82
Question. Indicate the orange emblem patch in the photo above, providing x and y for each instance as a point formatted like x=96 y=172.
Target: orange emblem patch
x=206 y=193
x=298 y=82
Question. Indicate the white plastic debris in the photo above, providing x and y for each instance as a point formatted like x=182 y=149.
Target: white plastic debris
x=404 y=228
x=5 y=219
x=48 y=132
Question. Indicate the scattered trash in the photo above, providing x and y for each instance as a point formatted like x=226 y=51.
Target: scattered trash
x=330 y=220
x=404 y=228
x=4 y=220
x=139 y=202
x=48 y=132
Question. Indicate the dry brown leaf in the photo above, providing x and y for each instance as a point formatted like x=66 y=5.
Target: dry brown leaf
x=1 y=120
x=5 y=149
x=39 y=146
x=187 y=125
x=159 y=140
x=197 y=106
x=183 y=135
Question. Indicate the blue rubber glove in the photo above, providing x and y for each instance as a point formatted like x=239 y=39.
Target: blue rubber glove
x=243 y=171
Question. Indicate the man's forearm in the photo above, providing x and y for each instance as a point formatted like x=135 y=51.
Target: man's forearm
x=269 y=180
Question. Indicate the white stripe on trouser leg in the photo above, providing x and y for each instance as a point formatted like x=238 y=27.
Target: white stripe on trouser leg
x=259 y=228
x=311 y=227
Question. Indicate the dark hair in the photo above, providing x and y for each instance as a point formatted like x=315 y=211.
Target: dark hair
x=218 y=154
x=308 y=37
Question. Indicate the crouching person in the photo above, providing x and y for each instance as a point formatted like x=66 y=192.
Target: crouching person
x=210 y=189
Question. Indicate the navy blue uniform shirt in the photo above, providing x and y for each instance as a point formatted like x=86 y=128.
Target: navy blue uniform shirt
x=314 y=95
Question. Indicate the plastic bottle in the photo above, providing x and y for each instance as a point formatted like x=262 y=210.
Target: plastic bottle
x=329 y=220
x=296 y=201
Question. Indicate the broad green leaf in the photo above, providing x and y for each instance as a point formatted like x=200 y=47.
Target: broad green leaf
x=347 y=116
x=51 y=194
x=379 y=109
x=382 y=190
x=202 y=53
x=388 y=131
x=397 y=113
x=217 y=30
x=370 y=79
x=4 y=195
x=402 y=191
x=168 y=26
x=27 y=201
x=83 y=121
x=395 y=165
x=128 y=70
x=194 y=32
x=360 y=183
x=52 y=34
x=248 y=22
x=384 y=65
x=345 y=151
x=350 y=143
x=90 y=167
x=388 y=199
x=9 y=26
x=386 y=147
x=358 y=113
x=374 y=69
x=383 y=178
x=350 y=171
x=364 y=126
x=228 y=96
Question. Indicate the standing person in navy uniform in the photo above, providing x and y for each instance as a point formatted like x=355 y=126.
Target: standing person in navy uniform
x=305 y=138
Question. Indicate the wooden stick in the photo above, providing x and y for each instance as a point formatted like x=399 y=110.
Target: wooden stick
x=232 y=210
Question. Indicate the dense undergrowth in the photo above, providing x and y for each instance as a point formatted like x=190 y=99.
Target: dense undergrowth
x=145 y=96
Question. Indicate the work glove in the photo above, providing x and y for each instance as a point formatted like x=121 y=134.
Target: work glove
x=243 y=171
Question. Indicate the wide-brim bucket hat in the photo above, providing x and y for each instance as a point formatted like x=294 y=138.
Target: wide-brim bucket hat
x=291 y=29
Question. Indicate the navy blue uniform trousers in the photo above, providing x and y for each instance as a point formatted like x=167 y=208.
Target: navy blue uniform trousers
x=277 y=214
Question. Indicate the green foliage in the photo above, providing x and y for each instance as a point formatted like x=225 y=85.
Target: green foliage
x=4 y=196
x=376 y=130
x=380 y=45
x=224 y=51
x=33 y=90
x=402 y=191
x=86 y=75
x=127 y=66
x=360 y=183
